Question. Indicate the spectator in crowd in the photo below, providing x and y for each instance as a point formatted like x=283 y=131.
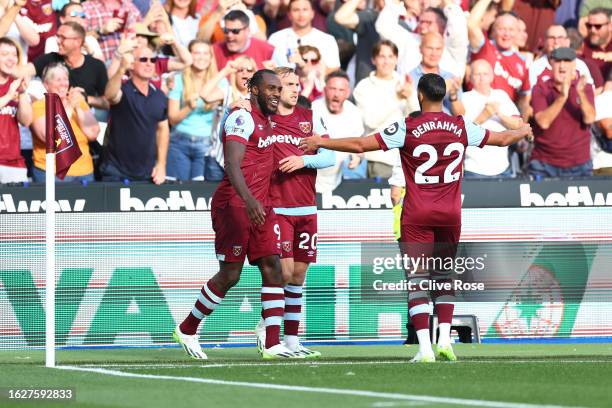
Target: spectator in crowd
x=16 y=26
x=563 y=111
x=301 y=32
x=510 y=72
x=343 y=119
x=42 y=15
x=238 y=42
x=431 y=48
x=184 y=19
x=143 y=37
x=354 y=15
x=583 y=13
x=449 y=22
x=493 y=110
x=555 y=37
x=601 y=145
x=277 y=16
x=598 y=44
x=15 y=109
x=82 y=120
x=191 y=111
x=74 y=12
x=311 y=71
x=521 y=43
x=212 y=24
x=244 y=69
x=537 y=16
x=383 y=97
x=108 y=19
x=86 y=72
x=138 y=132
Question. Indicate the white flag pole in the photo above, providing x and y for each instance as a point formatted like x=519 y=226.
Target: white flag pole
x=50 y=269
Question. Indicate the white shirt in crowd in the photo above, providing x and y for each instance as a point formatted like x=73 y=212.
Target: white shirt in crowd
x=454 y=56
x=349 y=123
x=603 y=109
x=286 y=39
x=539 y=65
x=185 y=29
x=489 y=160
x=90 y=41
x=377 y=100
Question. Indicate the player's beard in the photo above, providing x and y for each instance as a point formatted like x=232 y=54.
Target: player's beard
x=263 y=104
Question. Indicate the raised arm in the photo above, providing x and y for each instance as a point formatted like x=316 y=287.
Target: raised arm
x=347 y=16
x=113 y=88
x=475 y=34
x=9 y=16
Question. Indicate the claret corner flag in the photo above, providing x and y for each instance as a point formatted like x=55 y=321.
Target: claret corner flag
x=59 y=135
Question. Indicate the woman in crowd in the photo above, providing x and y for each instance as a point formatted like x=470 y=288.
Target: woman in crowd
x=15 y=109
x=82 y=120
x=311 y=71
x=184 y=19
x=192 y=104
x=244 y=68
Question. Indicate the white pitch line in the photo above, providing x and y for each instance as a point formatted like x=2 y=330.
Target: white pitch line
x=319 y=390
x=311 y=363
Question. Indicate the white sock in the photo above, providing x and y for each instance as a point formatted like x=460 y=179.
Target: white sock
x=292 y=341
x=444 y=336
x=424 y=341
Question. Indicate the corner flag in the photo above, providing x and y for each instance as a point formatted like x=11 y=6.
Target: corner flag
x=59 y=135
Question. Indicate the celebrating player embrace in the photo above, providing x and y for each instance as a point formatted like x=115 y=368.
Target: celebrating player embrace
x=244 y=221
x=432 y=147
x=293 y=195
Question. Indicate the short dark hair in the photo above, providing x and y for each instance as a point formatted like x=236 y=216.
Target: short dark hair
x=433 y=87
x=304 y=102
x=601 y=10
x=258 y=77
x=337 y=74
x=237 y=15
x=76 y=27
x=384 y=43
x=64 y=9
x=439 y=14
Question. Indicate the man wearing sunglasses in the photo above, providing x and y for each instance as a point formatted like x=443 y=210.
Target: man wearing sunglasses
x=598 y=44
x=139 y=133
x=74 y=12
x=238 y=41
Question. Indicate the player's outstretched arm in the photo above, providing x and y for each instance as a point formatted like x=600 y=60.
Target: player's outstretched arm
x=347 y=144
x=508 y=137
x=234 y=153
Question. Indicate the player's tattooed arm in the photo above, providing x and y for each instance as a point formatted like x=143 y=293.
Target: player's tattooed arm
x=347 y=144
x=234 y=153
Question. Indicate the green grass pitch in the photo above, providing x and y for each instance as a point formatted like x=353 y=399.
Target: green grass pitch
x=487 y=375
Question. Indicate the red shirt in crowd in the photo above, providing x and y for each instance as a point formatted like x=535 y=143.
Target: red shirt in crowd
x=601 y=57
x=566 y=142
x=510 y=74
x=257 y=49
x=10 y=141
x=45 y=20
